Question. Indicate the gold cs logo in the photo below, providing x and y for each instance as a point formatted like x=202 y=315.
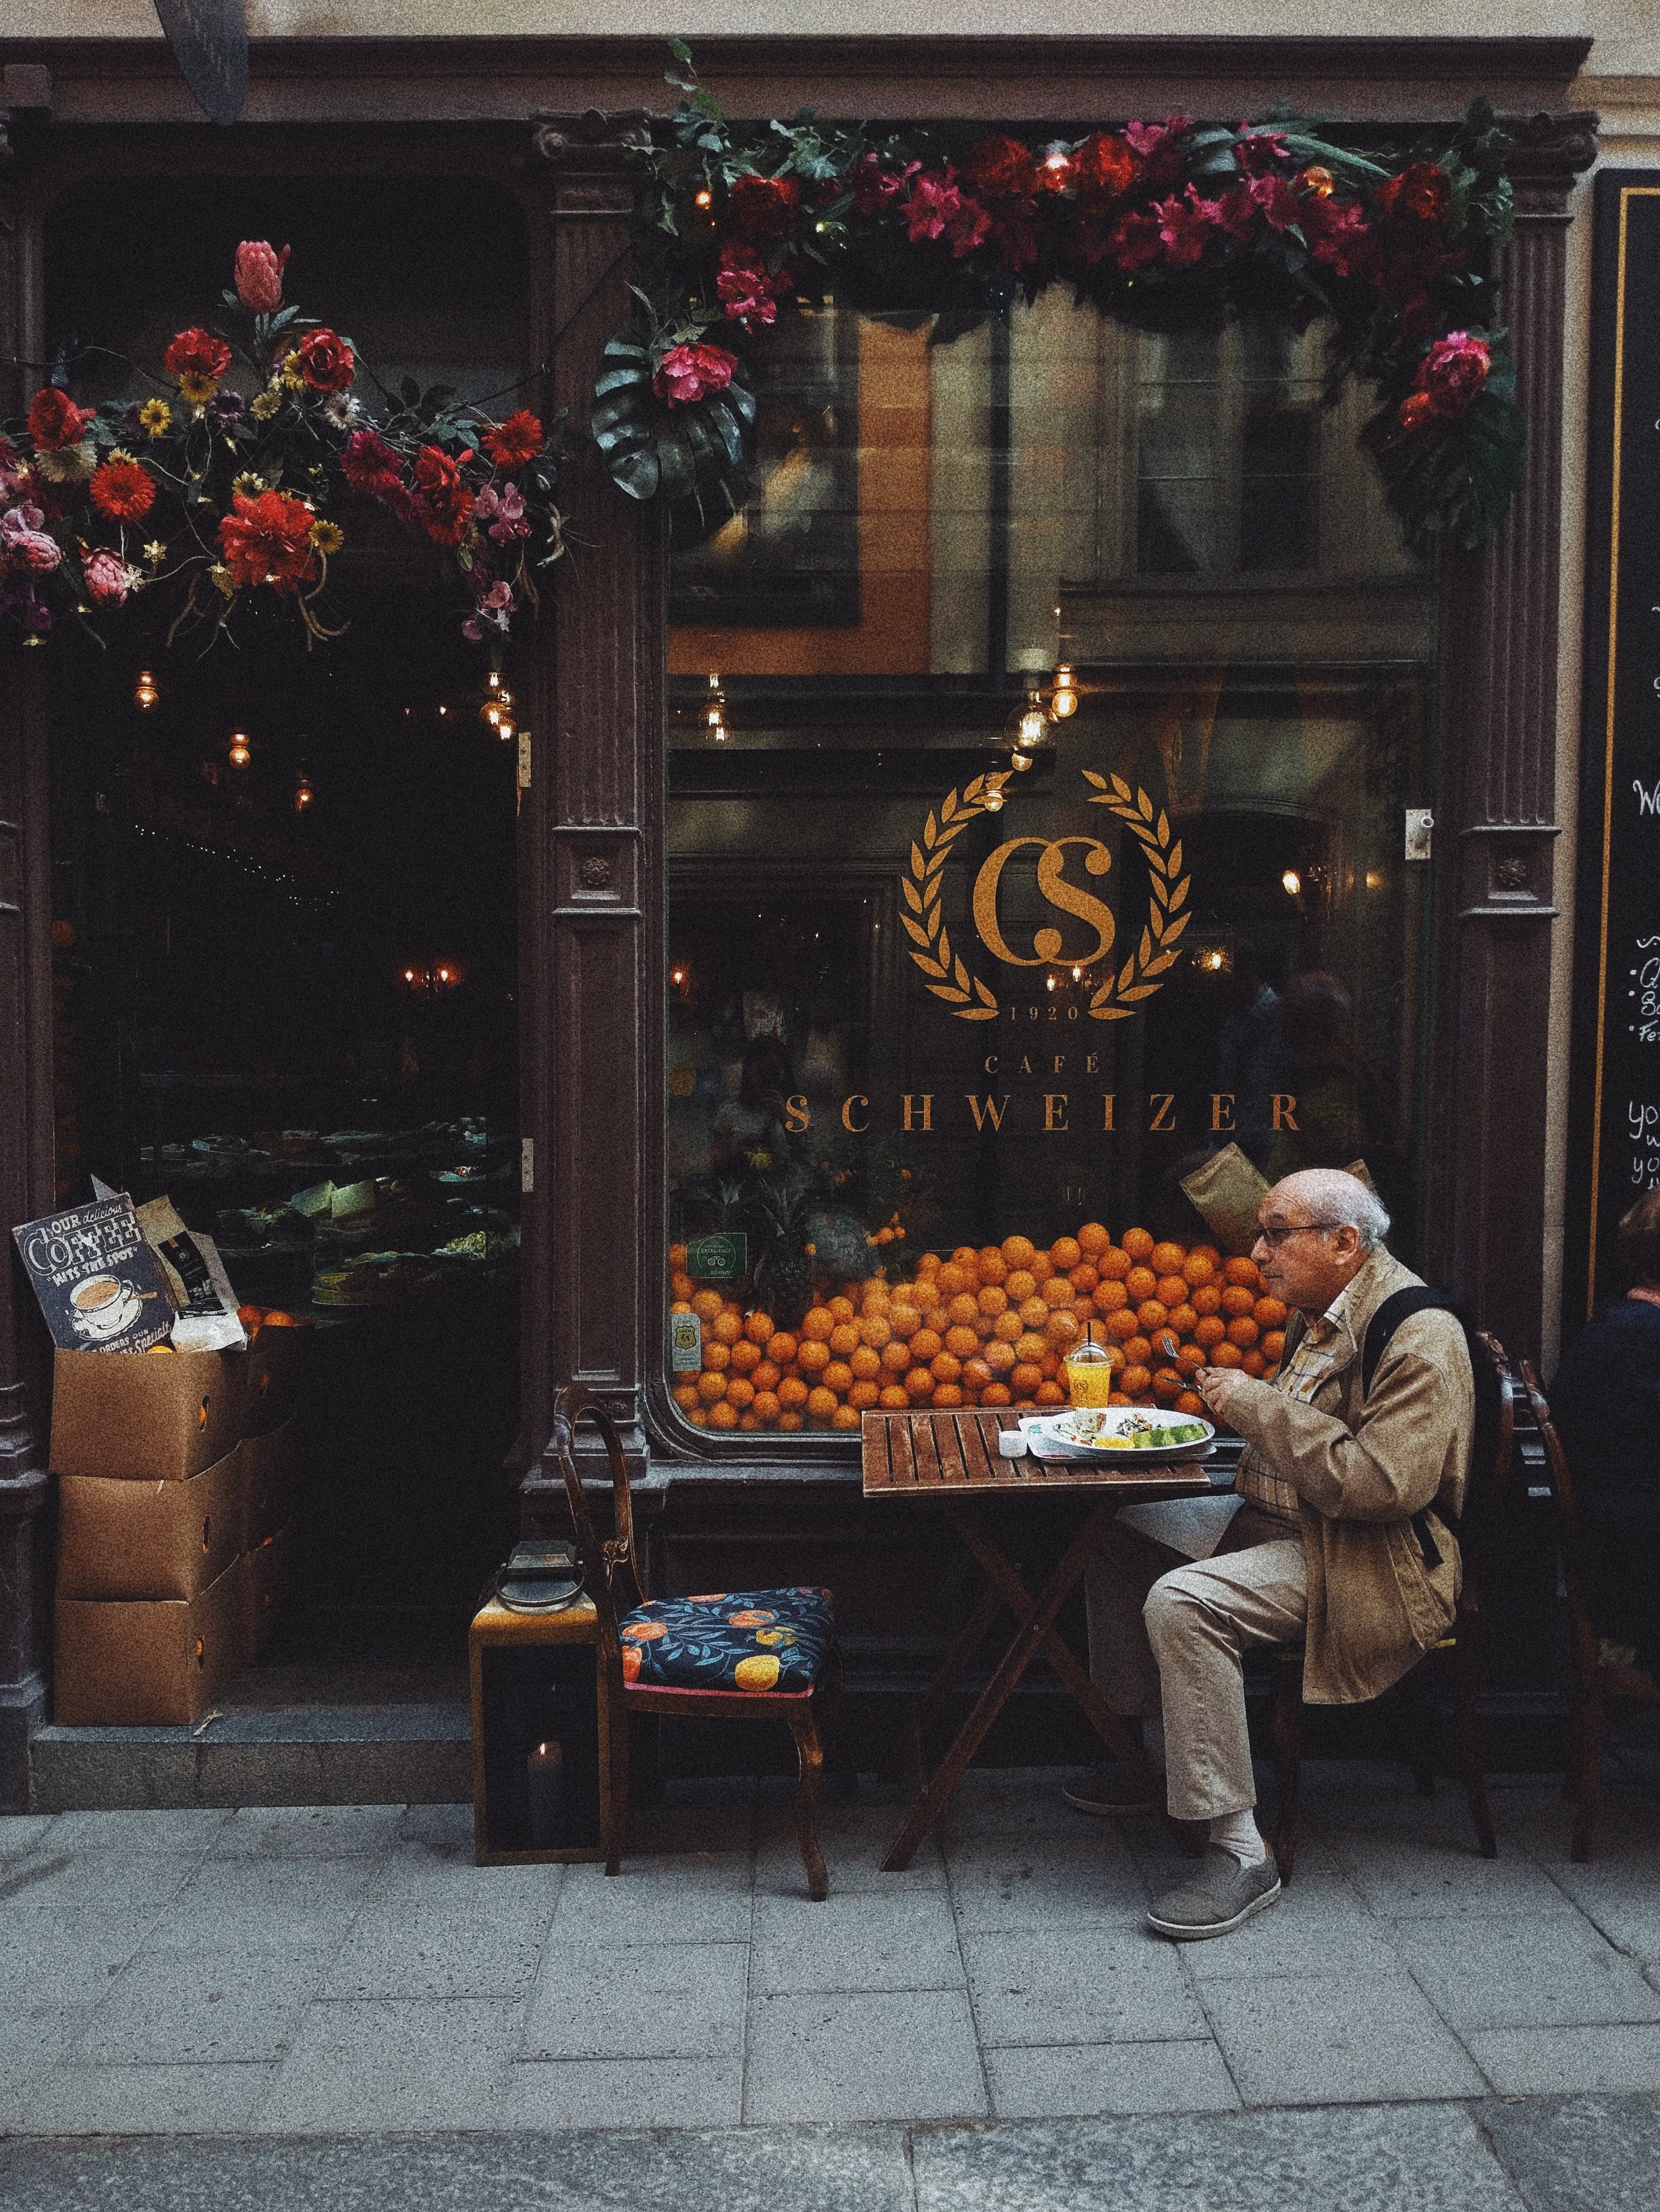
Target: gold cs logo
x=1121 y=994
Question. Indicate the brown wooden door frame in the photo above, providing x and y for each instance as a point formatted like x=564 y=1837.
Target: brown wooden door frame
x=591 y=679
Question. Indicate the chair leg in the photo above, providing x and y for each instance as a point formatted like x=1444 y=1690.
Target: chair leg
x=616 y=1826
x=1287 y=1756
x=809 y=1754
x=1588 y=1795
x=1469 y=1738
x=827 y=1700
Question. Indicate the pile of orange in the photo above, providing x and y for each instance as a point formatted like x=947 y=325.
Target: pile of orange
x=985 y=1328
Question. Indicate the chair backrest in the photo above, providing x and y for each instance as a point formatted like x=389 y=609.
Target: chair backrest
x=1492 y=1457
x=599 y=1560
x=1568 y=1529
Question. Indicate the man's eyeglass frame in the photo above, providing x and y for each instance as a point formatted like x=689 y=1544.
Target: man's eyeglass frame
x=1275 y=1237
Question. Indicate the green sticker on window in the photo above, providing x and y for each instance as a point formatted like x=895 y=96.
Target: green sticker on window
x=721 y=1258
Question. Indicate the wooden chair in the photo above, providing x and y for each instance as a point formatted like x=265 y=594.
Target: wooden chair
x=701 y=1641
x=1489 y=1480
x=1595 y=1678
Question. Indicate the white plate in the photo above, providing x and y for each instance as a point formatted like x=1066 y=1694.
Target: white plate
x=1059 y=1432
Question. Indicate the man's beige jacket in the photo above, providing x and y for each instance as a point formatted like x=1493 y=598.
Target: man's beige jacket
x=1362 y=1468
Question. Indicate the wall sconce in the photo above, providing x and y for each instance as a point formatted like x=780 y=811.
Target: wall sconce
x=447 y=975
x=414 y=979
x=145 y=692
x=1063 y=700
x=240 y=752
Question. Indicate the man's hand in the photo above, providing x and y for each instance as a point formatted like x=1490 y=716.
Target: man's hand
x=1216 y=1385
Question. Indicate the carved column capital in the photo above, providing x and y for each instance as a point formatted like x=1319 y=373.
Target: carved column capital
x=1549 y=153
x=592 y=138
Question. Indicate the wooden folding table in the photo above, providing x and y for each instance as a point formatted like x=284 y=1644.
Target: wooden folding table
x=951 y=1460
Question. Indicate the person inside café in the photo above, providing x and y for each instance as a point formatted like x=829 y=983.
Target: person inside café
x=1605 y=1402
x=1340 y=1535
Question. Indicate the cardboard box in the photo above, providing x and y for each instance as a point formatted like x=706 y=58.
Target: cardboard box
x=273 y=1369
x=270 y=1477
x=146 y=1417
x=136 y=1664
x=149 y=1540
x=264 y=1590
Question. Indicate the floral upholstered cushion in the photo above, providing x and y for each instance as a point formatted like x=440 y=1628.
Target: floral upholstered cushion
x=745 y=1640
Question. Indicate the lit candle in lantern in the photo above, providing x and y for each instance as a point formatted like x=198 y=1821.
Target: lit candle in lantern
x=545 y=1781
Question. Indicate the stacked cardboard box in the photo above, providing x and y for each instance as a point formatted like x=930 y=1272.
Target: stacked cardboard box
x=176 y=1475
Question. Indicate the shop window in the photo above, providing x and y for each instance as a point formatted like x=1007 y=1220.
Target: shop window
x=966 y=1055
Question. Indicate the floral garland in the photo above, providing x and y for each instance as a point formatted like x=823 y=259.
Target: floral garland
x=1165 y=225
x=228 y=498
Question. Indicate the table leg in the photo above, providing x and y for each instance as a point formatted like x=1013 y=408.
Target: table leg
x=1035 y=1623
x=957 y=1664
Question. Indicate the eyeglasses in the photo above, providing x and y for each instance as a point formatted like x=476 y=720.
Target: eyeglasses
x=1276 y=1237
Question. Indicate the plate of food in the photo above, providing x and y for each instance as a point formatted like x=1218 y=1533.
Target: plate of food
x=1127 y=1432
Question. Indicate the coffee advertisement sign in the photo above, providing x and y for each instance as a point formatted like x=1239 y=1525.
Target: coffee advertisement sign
x=99 y=1283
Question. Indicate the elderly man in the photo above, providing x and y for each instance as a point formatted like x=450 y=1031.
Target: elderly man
x=1328 y=1540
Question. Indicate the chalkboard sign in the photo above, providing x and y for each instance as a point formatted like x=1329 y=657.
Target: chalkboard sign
x=210 y=42
x=1616 y=1154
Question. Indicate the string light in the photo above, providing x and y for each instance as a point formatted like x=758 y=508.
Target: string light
x=145 y=693
x=1064 y=699
x=240 y=752
x=303 y=793
x=317 y=902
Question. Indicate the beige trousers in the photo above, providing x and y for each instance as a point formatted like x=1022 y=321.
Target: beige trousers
x=1172 y=1633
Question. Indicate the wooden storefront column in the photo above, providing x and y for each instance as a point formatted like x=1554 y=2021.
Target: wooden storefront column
x=1496 y=826
x=25 y=1056
x=590 y=908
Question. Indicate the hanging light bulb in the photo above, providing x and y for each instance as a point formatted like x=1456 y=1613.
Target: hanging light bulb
x=1022 y=761
x=714 y=714
x=144 y=691
x=303 y=793
x=1064 y=698
x=240 y=752
x=1033 y=728
x=1292 y=882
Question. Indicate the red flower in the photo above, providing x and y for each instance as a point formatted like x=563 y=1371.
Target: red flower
x=1134 y=242
x=1103 y=168
x=368 y=463
x=55 y=421
x=689 y=372
x=1186 y=227
x=1014 y=233
x=1276 y=199
x=267 y=540
x=1419 y=194
x=873 y=186
x=1256 y=151
x=1416 y=409
x=108 y=577
x=444 y=499
x=1002 y=169
x=259 y=276
x=326 y=362
x=1338 y=234
x=1236 y=212
x=937 y=208
x=198 y=353
x=764 y=207
x=516 y=442
x=748 y=287
x=1453 y=373
x=1154 y=145
x=122 y=490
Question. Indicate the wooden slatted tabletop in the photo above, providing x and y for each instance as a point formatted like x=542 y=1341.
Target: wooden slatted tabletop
x=911 y=1453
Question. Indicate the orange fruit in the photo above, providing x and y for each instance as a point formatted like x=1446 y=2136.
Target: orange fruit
x=1114 y=1264
x=946 y=1367
x=996 y=1394
x=1138 y=1243
x=760 y=1327
x=1181 y=1321
x=1205 y=1252
x=716 y=1357
x=964 y=1342
x=1019 y=1251
x=952 y=1279
x=924 y=1345
x=1243 y=1271
x=1190 y=1359
x=905 y=1319
x=1050 y=1393
x=1066 y=1252
x=1009 y=1327
x=745 y=1355
x=1120 y=1398
x=680 y=1305
x=875 y=1330
x=766 y=1407
x=1034 y=1311
x=681 y=1286
x=1138 y=1353
x=781 y=1349
x=813 y=1357
x=789 y=1424
x=977 y=1373
x=686 y=1395
x=1110 y=1295
x=1122 y=1325
x=250 y=1316
x=1197 y=1268
x=845 y=1417
x=1092 y=1238
x=896 y=1358
x=818 y=1324
x=1237 y=1300
x=1140 y=1283
x=844 y=1309
x=1227 y=1355
x=1208 y=1332
x=1273 y=1346
x=723 y=1416
x=706 y=1304
x=1269 y=1373
x=725 y=1328
x=1084 y=1278
x=1020 y=1284
x=844 y=1339
x=866 y=1363
x=1254 y=1363
x=699 y=1417
x=748 y=1422
x=1058 y=1293
x=821 y=1403
x=1000 y=1355
x=739 y=1393
x=992 y=1300
x=1172 y=1290
x=275 y=1318
x=1268 y=1313
x=1063 y=1331
x=1050 y=1364
x=863 y=1394
x=837 y=1377
x=919 y=1385
x=1190 y=1402
x=929 y=1264
x=1137 y=1381
x=711 y=1388
x=964 y=1311
x=1039 y=1267
x=677 y=1255
x=965 y=1256
x=1024 y=1378
x=765 y=1374
x=1028 y=1345
x=1244 y=1332
x=1151 y=1315
x=993 y=1267
x=1166 y=1258
x=893 y=1397
x=1206 y=1299
x=791 y=1394
x=1168 y=1384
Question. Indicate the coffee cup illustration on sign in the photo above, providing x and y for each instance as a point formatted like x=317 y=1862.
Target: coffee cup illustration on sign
x=103 y=1306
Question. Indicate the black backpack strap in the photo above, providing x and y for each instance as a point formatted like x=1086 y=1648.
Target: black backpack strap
x=1415 y=1297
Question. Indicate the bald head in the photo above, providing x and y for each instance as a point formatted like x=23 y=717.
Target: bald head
x=1319 y=1228
x=1334 y=1197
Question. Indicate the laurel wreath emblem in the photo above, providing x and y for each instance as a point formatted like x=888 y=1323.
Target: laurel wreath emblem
x=950 y=978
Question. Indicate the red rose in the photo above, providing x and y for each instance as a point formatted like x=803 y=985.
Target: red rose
x=1419 y=194
x=122 y=490
x=1453 y=373
x=516 y=442
x=688 y=372
x=259 y=276
x=747 y=288
x=197 y=354
x=55 y=421
x=326 y=362
x=764 y=207
x=368 y=463
x=1103 y=168
x=267 y=540
x=1002 y=168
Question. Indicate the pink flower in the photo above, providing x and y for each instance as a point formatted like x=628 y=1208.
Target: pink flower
x=368 y=463
x=1257 y=151
x=1186 y=227
x=1236 y=212
x=1155 y=144
x=689 y=372
x=25 y=543
x=1276 y=199
x=938 y=208
x=502 y=510
x=1132 y=242
x=1338 y=234
x=1453 y=373
x=108 y=577
x=748 y=288
x=873 y=186
x=259 y=276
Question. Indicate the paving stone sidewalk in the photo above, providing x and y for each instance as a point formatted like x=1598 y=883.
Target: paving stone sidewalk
x=348 y=1973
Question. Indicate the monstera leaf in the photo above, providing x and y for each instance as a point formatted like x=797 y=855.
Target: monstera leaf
x=697 y=450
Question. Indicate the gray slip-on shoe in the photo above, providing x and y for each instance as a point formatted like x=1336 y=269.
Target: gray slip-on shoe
x=1109 y=1791
x=1217 y=1897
